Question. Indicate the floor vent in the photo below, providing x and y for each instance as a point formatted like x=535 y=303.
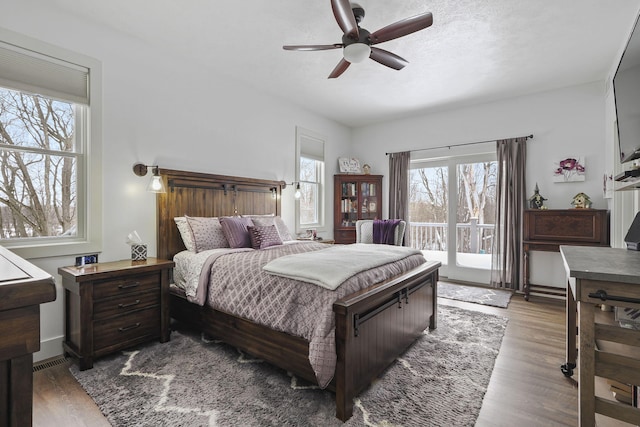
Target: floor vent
x=49 y=363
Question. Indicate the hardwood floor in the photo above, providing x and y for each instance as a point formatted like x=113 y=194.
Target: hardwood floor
x=526 y=387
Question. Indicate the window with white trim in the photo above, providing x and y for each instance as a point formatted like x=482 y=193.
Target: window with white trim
x=310 y=172
x=45 y=117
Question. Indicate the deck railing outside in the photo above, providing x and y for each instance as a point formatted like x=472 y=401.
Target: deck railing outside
x=471 y=237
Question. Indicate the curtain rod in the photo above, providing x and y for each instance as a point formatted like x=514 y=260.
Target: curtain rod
x=460 y=145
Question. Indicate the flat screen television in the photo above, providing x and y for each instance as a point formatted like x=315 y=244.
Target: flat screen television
x=626 y=89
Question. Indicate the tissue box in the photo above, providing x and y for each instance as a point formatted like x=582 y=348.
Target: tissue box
x=138 y=252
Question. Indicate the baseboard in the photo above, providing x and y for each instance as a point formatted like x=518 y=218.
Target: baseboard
x=49 y=349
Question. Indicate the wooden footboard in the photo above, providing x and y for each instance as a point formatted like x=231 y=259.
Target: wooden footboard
x=373 y=327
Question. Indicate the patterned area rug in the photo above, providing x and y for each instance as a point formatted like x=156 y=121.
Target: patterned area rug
x=475 y=294
x=440 y=381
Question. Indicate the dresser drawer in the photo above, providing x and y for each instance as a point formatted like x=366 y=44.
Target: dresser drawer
x=132 y=283
x=124 y=304
x=120 y=330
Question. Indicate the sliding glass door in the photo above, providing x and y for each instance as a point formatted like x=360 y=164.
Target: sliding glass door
x=452 y=213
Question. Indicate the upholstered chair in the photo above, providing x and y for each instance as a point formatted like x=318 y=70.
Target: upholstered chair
x=364 y=231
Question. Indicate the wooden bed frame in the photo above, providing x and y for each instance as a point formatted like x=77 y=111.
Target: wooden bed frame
x=373 y=326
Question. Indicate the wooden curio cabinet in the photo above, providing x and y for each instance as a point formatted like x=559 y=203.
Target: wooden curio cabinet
x=355 y=197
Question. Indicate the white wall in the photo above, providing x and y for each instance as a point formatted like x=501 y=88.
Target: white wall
x=563 y=122
x=160 y=109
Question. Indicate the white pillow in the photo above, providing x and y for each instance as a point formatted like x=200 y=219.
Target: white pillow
x=185 y=233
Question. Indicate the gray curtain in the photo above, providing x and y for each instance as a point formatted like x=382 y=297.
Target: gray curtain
x=506 y=260
x=399 y=189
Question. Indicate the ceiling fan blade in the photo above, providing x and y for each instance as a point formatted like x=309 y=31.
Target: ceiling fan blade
x=313 y=46
x=387 y=58
x=402 y=28
x=345 y=18
x=340 y=68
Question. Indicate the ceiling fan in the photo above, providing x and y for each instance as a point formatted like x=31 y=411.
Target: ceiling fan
x=357 y=43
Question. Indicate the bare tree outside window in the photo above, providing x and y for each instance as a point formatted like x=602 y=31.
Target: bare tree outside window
x=310 y=171
x=38 y=175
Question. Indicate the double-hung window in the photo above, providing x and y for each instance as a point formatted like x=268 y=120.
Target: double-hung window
x=46 y=102
x=310 y=206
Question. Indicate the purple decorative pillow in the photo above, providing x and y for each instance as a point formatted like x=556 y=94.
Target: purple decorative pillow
x=235 y=230
x=264 y=236
x=264 y=220
x=207 y=233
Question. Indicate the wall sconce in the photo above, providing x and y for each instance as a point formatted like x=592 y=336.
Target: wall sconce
x=298 y=193
x=156 y=185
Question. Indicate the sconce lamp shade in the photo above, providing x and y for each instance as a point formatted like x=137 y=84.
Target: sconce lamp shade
x=156 y=185
x=298 y=193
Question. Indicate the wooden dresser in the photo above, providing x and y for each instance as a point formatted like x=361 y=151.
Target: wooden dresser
x=114 y=305
x=547 y=229
x=23 y=287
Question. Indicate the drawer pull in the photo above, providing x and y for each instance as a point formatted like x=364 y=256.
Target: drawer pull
x=129 y=285
x=136 y=302
x=128 y=328
x=602 y=295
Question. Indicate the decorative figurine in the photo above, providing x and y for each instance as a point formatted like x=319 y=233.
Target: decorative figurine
x=366 y=169
x=536 y=201
x=581 y=201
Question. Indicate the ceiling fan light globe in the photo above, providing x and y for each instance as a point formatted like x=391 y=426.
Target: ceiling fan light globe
x=356 y=52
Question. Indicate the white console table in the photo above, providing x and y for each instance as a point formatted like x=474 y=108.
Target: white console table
x=601 y=276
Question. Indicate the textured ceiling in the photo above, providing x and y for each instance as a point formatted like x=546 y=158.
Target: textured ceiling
x=475 y=51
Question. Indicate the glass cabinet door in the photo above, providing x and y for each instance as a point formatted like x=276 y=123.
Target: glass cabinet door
x=368 y=200
x=349 y=200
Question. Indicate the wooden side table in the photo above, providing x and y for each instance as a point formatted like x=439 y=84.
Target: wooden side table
x=326 y=241
x=114 y=305
x=547 y=229
x=601 y=276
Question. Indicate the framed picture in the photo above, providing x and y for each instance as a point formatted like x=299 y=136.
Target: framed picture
x=349 y=165
x=372 y=206
x=569 y=169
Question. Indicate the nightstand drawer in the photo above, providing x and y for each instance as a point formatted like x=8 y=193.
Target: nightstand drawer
x=124 y=304
x=120 y=330
x=114 y=287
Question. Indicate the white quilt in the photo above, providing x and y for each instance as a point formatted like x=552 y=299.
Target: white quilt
x=332 y=266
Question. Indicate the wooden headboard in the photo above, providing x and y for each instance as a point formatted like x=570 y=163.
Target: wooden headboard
x=207 y=195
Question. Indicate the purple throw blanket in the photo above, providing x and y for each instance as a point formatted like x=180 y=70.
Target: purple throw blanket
x=384 y=231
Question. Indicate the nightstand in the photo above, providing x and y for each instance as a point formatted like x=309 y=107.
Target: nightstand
x=114 y=305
